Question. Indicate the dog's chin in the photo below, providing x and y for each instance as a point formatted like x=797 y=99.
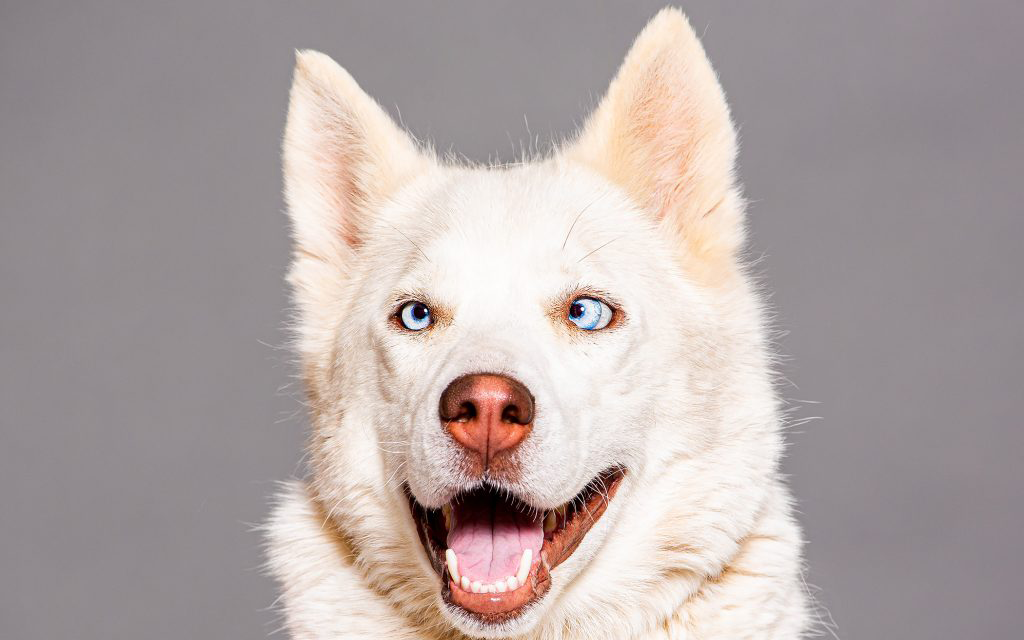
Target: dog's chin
x=494 y=552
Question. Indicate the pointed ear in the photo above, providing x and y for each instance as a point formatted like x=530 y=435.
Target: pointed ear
x=342 y=155
x=663 y=133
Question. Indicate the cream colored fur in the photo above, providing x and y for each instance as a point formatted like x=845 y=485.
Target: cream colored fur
x=700 y=541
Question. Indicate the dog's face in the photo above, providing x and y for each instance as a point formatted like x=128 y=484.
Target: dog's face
x=517 y=373
x=534 y=276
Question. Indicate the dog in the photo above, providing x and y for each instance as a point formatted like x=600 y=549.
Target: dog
x=541 y=394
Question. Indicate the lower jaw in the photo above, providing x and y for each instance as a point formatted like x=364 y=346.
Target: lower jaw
x=496 y=608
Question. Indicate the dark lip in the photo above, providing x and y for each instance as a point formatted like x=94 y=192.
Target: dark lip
x=581 y=514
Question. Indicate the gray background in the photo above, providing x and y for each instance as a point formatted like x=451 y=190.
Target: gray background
x=144 y=407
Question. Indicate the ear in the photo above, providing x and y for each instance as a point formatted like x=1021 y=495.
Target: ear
x=663 y=133
x=342 y=156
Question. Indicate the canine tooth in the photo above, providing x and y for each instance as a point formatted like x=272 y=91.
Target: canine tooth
x=501 y=586
x=446 y=510
x=513 y=583
x=549 y=522
x=453 y=564
x=475 y=586
x=465 y=583
x=524 y=566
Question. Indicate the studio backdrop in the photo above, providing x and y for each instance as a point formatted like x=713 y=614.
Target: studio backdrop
x=148 y=400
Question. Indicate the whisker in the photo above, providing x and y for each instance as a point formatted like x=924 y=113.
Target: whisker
x=573 y=225
x=598 y=249
x=411 y=242
x=387 y=484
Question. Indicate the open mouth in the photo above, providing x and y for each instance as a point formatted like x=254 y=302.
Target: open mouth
x=495 y=553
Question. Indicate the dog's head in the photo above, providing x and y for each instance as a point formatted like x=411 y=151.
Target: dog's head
x=538 y=391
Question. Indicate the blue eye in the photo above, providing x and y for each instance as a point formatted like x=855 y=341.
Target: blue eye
x=590 y=314
x=415 y=316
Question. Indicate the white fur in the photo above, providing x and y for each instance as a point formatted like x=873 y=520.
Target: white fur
x=699 y=542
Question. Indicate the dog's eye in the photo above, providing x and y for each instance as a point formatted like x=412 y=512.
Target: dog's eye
x=590 y=314
x=415 y=316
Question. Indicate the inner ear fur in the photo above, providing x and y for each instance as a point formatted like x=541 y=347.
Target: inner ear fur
x=343 y=155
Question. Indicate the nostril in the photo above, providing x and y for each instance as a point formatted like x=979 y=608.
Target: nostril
x=467 y=411
x=511 y=414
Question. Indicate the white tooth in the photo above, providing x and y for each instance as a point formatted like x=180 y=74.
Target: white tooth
x=513 y=583
x=524 y=566
x=453 y=564
x=492 y=589
x=465 y=583
x=502 y=587
x=447 y=511
x=475 y=587
x=549 y=522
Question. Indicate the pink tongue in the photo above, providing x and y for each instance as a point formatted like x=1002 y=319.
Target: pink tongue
x=489 y=536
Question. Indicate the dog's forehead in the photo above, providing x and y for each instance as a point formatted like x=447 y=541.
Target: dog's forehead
x=540 y=212
x=517 y=229
x=530 y=232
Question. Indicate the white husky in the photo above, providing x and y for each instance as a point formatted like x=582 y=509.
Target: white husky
x=541 y=396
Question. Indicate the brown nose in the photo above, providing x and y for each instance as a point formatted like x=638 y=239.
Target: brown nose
x=489 y=414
